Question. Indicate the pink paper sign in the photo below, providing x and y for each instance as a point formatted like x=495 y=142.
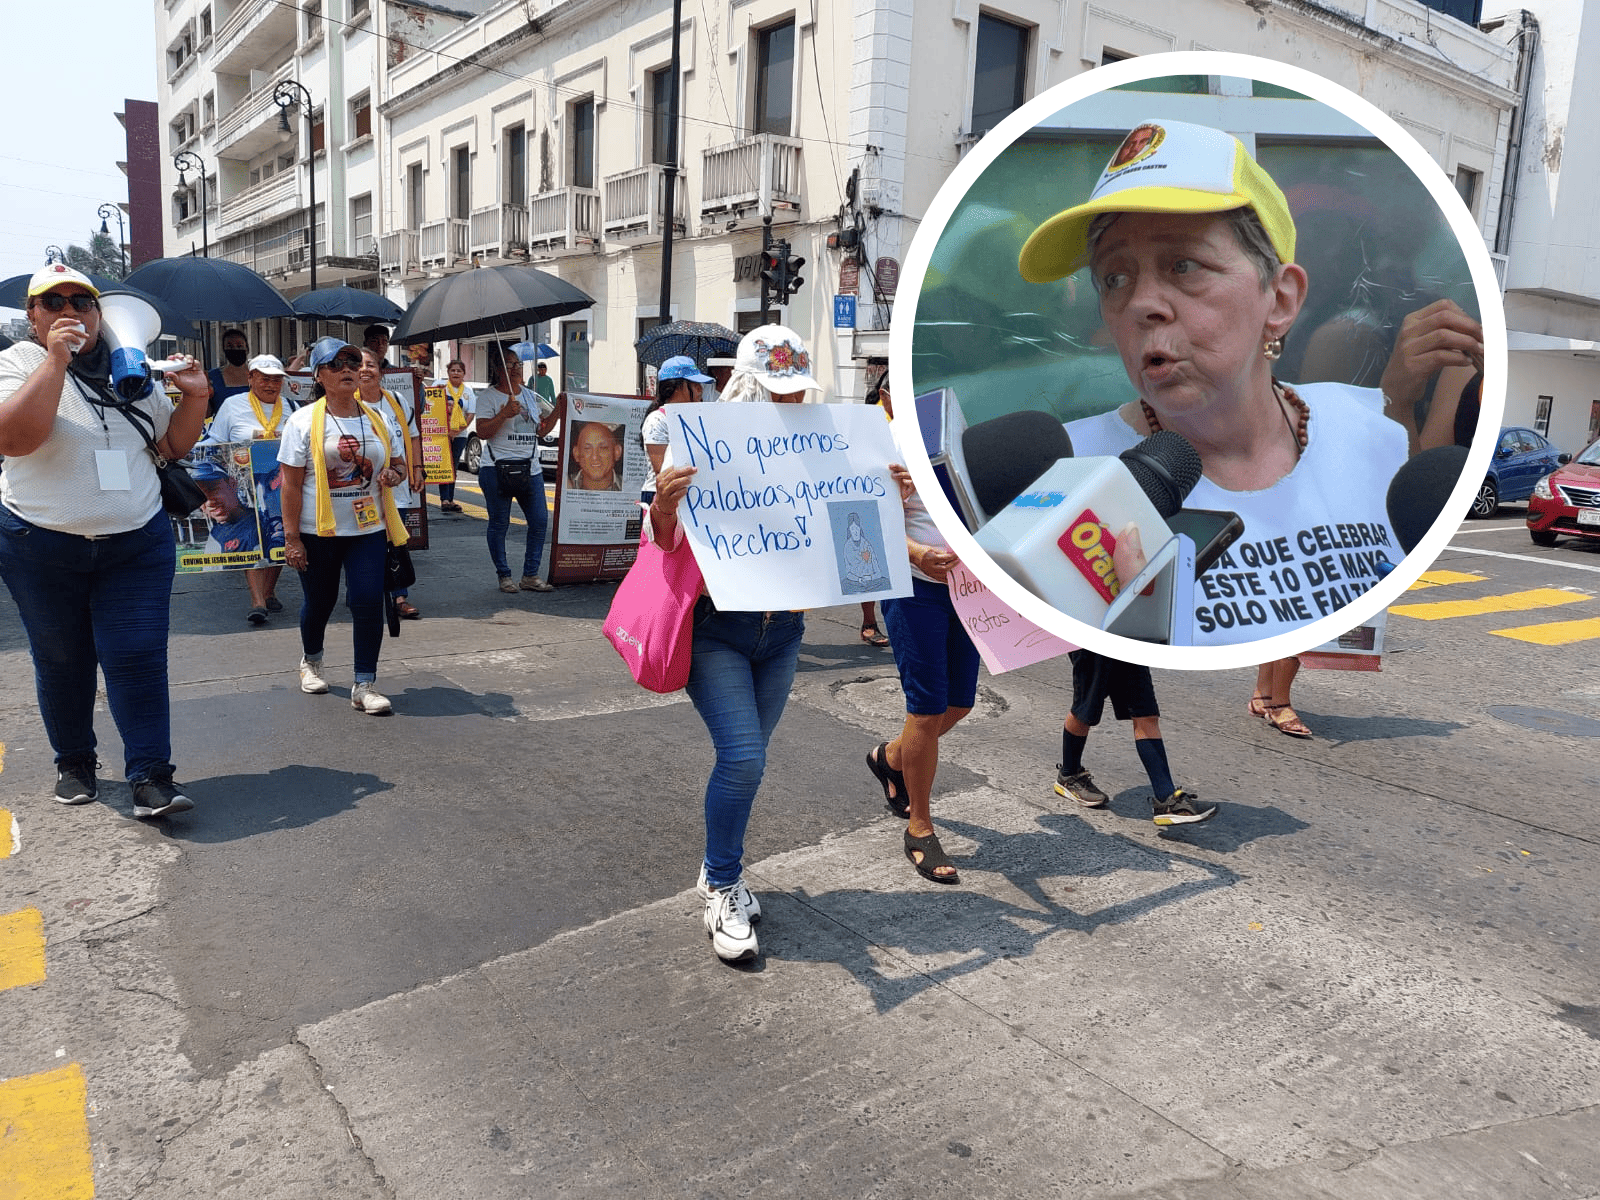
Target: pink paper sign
x=1005 y=639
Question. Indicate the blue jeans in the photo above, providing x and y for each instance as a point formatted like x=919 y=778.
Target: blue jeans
x=97 y=602
x=533 y=511
x=361 y=560
x=739 y=678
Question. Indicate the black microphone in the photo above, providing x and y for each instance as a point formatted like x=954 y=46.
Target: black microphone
x=1166 y=467
x=1005 y=454
x=1420 y=490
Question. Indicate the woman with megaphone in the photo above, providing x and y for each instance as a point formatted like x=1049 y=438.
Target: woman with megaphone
x=86 y=548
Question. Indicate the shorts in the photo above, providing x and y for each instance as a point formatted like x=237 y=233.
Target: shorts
x=1128 y=685
x=938 y=662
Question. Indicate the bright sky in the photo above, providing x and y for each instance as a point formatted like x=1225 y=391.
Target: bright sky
x=72 y=67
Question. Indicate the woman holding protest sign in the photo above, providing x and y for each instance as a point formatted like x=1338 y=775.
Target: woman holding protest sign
x=461 y=405
x=511 y=420
x=339 y=515
x=743 y=663
x=248 y=416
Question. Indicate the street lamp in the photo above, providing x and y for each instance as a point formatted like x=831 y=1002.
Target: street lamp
x=286 y=95
x=104 y=212
x=54 y=254
x=188 y=160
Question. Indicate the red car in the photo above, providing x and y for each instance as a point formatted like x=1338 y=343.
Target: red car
x=1567 y=500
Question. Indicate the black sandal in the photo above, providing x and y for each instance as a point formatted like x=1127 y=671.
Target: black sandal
x=872 y=636
x=933 y=857
x=897 y=802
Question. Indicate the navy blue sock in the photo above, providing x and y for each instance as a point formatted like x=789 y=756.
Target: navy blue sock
x=1072 y=752
x=1153 y=754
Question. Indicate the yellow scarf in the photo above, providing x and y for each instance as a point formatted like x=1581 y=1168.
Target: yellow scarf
x=269 y=427
x=457 y=419
x=326 y=526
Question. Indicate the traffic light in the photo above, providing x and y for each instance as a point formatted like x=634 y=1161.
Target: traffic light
x=791 y=272
x=772 y=267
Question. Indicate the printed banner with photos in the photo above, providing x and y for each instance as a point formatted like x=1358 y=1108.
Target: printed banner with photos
x=601 y=467
x=241 y=522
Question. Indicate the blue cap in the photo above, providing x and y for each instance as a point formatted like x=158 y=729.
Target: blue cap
x=208 y=469
x=322 y=353
x=682 y=367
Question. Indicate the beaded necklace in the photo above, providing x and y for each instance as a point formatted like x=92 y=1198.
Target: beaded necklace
x=1286 y=400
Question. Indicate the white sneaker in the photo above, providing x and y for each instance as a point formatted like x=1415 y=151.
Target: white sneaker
x=731 y=934
x=311 y=680
x=365 y=697
x=741 y=893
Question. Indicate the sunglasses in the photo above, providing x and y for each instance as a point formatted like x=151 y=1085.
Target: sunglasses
x=55 y=302
x=344 y=362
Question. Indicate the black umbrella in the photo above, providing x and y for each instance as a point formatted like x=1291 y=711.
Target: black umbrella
x=14 y=294
x=347 y=304
x=210 y=289
x=700 y=340
x=487 y=300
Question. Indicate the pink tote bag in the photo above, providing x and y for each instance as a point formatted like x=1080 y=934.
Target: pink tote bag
x=651 y=622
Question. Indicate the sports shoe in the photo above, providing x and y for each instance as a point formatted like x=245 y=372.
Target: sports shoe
x=532 y=583
x=1079 y=787
x=1182 y=808
x=274 y=604
x=158 y=797
x=731 y=934
x=75 y=781
x=365 y=697
x=741 y=893
x=508 y=584
x=311 y=681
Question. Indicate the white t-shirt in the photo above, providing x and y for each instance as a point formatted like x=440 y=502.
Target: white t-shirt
x=399 y=443
x=1312 y=540
x=518 y=437
x=236 y=420
x=58 y=486
x=654 y=433
x=357 y=499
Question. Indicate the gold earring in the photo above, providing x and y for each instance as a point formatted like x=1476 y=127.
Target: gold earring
x=1272 y=349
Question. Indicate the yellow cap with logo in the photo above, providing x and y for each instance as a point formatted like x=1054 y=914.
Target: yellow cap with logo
x=1162 y=167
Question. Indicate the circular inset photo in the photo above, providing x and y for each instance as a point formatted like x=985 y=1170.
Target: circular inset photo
x=1196 y=364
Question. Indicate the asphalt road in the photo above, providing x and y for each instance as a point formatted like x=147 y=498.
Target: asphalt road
x=454 y=951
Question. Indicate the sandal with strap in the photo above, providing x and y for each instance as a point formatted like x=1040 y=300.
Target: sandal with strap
x=1285 y=720
x=873 y=636
x=898 y=802
x=1258 y=706
x=933 y=858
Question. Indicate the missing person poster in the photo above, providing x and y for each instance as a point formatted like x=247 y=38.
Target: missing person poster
x=231 y=530
x=792 y=505
x=601 y=467
x=434 y=424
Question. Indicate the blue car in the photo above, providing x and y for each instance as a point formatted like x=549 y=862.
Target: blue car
x=1521 y=458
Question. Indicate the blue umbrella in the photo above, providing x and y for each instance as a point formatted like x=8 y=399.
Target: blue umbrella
x=700 y=340
x=347 y=304
x=14 y=294
x=545 y=350
x=210 y=289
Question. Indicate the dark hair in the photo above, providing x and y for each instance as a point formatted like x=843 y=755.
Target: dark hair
x=455 y=362
x=372 y=331
x=665 y=390
x=497 y=365
x=238 y=333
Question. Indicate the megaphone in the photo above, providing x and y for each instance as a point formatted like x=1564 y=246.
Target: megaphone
x=133 y=324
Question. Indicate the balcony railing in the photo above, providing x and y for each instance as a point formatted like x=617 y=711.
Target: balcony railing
x=275 y=254
x=263 y=200
x=635 y=200
x=254 y=26
x=565 y=219
x=250 y=110
x=400 y=252
x=500 y=231
x=444 y=242
x=760 y=172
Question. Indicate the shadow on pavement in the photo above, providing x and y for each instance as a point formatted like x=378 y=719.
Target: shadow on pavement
x=286 y=798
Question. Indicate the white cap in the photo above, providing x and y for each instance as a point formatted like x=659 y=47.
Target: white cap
x=267 y=364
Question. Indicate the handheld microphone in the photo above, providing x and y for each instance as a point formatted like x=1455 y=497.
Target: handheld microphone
x=1005 y=454
x=1419 y=491
x=1058 y=536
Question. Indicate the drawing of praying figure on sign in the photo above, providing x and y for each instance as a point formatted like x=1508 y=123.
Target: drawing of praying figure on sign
x=860 y=565
x=792 y=505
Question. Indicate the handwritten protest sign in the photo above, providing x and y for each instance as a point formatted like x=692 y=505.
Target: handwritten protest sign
x=793 y=505
x=1005 y=639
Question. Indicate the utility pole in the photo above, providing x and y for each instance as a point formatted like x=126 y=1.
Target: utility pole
x=669 y=173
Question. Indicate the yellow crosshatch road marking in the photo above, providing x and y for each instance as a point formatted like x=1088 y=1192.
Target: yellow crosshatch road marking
x=1512 y=602
x=8 y=834
x=44 y=1137
x=1430 y=579
x=21 y=948
x=1556 y=633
